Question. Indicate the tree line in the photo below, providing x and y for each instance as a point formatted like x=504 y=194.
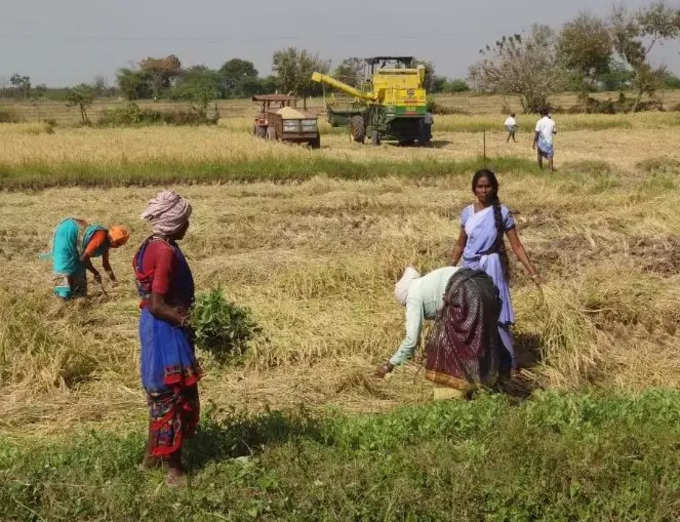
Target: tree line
x=587 y=54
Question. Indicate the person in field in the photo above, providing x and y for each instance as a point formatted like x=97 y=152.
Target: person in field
x=543 y=140
x=463 y=350
x=169 y=369
x=484 y=223
x=74 y=244
x=511 y=127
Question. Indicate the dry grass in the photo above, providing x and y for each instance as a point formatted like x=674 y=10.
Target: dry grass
x=315 y=261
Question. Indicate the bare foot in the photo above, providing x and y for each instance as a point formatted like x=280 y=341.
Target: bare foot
x=176 y=478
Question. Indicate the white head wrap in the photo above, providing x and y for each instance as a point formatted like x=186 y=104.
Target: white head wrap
x=167 y=212
x=401 y=288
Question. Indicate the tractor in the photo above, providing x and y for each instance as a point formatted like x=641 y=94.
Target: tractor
x=391 y=102
x=278 y=119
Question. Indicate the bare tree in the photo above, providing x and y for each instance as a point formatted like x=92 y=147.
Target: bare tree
x=522 y=65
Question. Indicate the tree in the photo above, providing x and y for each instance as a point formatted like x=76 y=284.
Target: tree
x=81 y=96
x=635 y=35
x=199 y=84
x=350 y=71
x=161 y=71
x=294 y=68
x=526 y=66
x=585 y=48
x=236 y=74
x=133 y=84
x=21 y=84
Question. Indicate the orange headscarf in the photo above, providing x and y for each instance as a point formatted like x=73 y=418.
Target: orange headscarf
x=118 y=236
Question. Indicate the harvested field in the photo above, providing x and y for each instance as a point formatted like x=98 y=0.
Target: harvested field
x=313 y=251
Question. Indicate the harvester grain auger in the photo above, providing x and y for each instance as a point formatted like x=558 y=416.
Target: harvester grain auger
x=392 y=102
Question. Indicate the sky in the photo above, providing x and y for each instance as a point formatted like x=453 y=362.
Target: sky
x=64 y=42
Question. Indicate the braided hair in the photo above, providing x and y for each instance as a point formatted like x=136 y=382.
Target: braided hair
x=499 y=244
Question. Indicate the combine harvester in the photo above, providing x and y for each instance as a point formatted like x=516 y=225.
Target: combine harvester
x=390 y=103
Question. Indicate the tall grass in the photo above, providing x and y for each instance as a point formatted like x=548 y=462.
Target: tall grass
x=266 y=167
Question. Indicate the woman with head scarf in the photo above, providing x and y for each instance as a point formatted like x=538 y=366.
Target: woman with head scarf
x=74 y=245
x=169 y=369
x=462 y=349
x=480 y=243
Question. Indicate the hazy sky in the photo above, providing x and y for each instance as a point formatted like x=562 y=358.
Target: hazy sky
x=62 y=42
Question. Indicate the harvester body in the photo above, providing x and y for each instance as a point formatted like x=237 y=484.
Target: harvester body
x=391 y=103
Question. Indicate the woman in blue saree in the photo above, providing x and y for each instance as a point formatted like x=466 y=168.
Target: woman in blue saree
x=74 y=245
x=481 y=245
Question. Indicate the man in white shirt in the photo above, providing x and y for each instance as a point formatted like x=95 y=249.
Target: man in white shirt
x=511 y=127
x=543 y=139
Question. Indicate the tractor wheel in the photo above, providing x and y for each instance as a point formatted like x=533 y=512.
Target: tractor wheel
x=375 y=137
x=356 y=124
x=315 y=143
x=271 y=133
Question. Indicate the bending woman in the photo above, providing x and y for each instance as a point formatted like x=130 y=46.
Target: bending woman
x=74 y=245
x=168 y=366
x=463 y=349
x=481 y=245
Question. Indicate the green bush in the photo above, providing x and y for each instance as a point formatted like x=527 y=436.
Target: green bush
x=221 y=327
x=133 y=115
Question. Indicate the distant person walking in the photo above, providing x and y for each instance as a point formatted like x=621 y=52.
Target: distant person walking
x=74 y=245
x=511 y=127
x=543 y=139
x=169 y=369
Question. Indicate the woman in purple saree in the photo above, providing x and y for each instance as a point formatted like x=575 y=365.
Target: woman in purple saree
x=481 y=246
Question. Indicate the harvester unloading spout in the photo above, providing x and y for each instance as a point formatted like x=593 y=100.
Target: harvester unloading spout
x=324 y=78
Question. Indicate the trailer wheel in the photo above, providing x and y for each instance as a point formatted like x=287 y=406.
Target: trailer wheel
x=356 y=124
x=259 y=131
x=315 y=143
x=375 y=137
x=271 y=133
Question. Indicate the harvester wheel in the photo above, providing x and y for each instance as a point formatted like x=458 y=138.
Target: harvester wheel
x=375 y=137
x=356 y=124
x=271 y=133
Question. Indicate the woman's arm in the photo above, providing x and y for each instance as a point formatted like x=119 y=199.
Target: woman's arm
x=107 y=266
x=159 y=307
x=458 y=247
x=519 y=251
x=85 y=259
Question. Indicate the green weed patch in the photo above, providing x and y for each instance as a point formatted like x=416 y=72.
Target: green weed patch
x=554 y=457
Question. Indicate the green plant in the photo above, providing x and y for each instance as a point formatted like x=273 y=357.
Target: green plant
x=221 y=327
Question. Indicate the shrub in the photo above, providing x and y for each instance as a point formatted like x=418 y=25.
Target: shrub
x=9 y=116
x=221 y=327
x=132 y=114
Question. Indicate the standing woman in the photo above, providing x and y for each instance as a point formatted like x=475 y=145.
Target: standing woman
x=74 y=244
x=482 y=247
x=168 y=365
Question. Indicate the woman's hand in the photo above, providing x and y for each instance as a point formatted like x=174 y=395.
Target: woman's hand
x=384 y=370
